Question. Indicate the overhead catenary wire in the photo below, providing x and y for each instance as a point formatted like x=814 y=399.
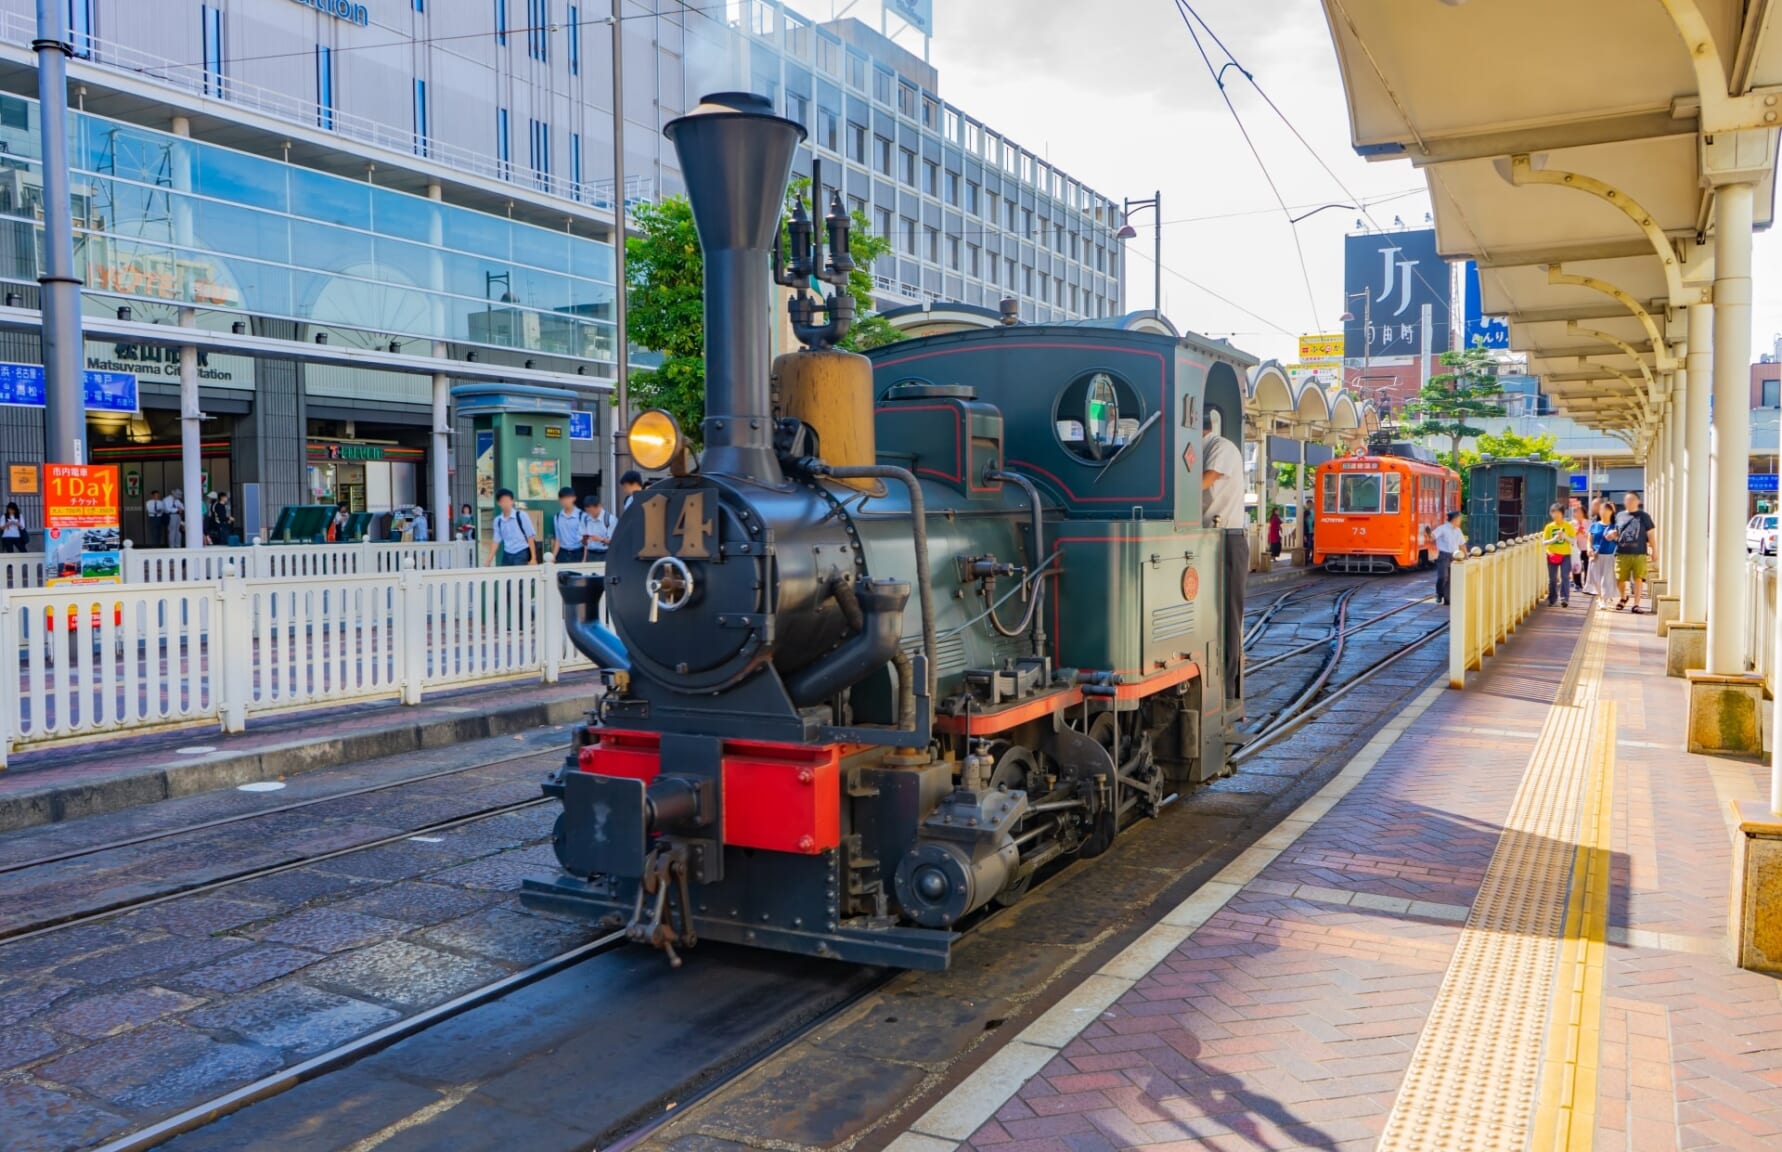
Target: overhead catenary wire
x=1218 y=75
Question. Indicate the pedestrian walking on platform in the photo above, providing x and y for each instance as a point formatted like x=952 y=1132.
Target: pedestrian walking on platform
x=570 y=527
x=1449 y=541
x=1636 y=547
x=600 y=526
x=1580 y=543
x=1556 y=538
x=1274 y=534
x=1600 y=578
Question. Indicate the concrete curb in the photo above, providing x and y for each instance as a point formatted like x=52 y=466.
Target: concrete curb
x=188 y=775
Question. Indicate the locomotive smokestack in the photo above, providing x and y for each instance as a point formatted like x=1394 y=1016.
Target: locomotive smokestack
x=736 y=157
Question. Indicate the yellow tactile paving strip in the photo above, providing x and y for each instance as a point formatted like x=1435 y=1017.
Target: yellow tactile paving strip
x=1473 y=1078
x=1566 y=1116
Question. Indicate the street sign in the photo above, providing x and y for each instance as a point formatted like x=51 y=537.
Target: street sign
x=1580 y=482
x=22 y=386
x=581 y=425
x=1761 y=482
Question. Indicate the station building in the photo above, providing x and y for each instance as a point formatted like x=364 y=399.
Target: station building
x=343 y=211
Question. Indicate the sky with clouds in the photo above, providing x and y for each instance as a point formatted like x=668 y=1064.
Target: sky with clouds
x=1115 y=93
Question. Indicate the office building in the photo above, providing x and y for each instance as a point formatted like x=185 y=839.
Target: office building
x=346 y=208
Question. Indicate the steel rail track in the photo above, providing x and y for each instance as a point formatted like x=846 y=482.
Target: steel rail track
x=43 y=928
x=223 y=821
x=354 y=1050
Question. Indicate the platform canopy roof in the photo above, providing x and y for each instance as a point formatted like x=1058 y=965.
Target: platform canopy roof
x=1564 y=146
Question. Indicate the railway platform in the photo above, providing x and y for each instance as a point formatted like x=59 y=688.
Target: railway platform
x=1502 y=925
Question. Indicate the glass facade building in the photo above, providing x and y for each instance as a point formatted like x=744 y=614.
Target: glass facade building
x=435 y=182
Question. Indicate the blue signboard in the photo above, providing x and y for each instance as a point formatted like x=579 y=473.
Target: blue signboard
x=21 y=385
x=1761 y=482
x=1388 y=278
x=1492 y=331
x=1580 y=482
x=581 y=425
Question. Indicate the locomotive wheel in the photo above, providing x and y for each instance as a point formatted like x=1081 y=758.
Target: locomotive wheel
x=1016 y=767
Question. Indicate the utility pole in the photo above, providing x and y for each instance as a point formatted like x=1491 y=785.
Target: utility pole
x=64 y=410
x=619 y=455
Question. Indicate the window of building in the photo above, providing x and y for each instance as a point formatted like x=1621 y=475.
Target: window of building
x=992 y=207
x=881 y=86
x=538 y=29
x=1010 y=207
x=1075 y=299
x=974 y=137
x=212 y=21
x=826 y=130
x=574 y=31
x=953 y=253
x=798 y=37
x=1058 y=240
x=1009 y=267
x=953 y=188
x=906 y=166
x=1772 y=393
x=972 y=192
x=856 y=206
x=541 y=152
x=856 y=143
x=884 y=224
x=931 y=177
x=1027 y=223
x=933 y=237
x=828 y=56
x=503 y=145
x=80 y=26
x=1101 y=258
x=575 y=165
x=1073 y=247
x=421 y=118
x=971 y=259
x=907 y=98
x=501 y=21
x=856 y=72
x=324 y=86
x=1045 y=293
x=798 y=108
x=761 y=20
x=881 y=148
x=909 y=235
x=1027 y=279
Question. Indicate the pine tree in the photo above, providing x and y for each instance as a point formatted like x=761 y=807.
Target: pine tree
x=1447 y=405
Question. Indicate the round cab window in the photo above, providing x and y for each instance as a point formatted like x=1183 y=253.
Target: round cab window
x=1096 y=415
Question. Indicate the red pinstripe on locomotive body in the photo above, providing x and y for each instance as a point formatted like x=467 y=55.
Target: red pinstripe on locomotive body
x=1377 y=513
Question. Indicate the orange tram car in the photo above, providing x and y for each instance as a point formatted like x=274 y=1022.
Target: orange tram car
x=1377 y=513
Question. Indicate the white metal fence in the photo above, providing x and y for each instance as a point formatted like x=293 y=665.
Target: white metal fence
x=105 y=659
x=258 y=561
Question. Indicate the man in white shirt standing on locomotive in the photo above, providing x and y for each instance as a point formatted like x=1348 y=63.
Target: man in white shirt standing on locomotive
x=1222 y=507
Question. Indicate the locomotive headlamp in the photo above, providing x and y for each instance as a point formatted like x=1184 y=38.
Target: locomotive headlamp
x=655 y=439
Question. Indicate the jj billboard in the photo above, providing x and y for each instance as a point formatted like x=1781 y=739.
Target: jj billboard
x=1389 y=278
x=918 y=14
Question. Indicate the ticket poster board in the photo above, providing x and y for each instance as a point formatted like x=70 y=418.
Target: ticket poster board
x=82 y=541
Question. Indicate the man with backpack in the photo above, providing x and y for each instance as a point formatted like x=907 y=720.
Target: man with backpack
x=1636 y=548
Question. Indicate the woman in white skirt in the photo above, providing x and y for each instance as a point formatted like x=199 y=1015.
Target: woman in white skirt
x=1599 y=580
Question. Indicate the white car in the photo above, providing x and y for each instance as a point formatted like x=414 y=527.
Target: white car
x=1760 y=535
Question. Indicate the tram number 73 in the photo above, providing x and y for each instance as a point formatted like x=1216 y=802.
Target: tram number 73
x=691 y=526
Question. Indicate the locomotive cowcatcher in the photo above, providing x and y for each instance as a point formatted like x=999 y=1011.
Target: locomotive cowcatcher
x=906 y=630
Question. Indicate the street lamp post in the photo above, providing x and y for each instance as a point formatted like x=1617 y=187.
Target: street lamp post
x=1127 y=232
x=1367 y=327
x=619 y=455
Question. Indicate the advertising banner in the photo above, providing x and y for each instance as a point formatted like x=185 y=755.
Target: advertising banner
x=1388 y=279
x=485 y=467
x=80 y=519
x=1491 y=331
x=1321 y=351
x=918 y=14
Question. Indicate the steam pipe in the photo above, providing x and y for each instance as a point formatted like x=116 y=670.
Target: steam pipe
x=919 y=532
x=581 y=618
x=1033 y=617
x=863 y=653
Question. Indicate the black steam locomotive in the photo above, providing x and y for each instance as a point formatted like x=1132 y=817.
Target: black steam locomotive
x=909 y=629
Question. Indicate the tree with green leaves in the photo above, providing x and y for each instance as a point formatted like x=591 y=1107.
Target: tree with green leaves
x=1512 y=445
x=666 y=271
x=1449 y=403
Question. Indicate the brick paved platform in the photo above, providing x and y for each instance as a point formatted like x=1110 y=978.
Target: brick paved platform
x=1343 y=984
